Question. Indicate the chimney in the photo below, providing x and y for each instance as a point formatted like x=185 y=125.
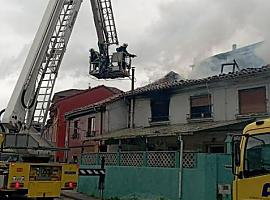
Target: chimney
x=234 y=46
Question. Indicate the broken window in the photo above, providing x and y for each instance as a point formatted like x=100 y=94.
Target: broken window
x=160 y=108
x=252 y=100
x=75 y=130
x=200 y=106
x=91 y=128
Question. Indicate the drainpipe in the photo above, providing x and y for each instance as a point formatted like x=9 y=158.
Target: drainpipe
x=129 y=115
x=180 y=175
x=119 y=149
x=101 y=123
x=119 y=152
x=67 y=141
x=133 y=98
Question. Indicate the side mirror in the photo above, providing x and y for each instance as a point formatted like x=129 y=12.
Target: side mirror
x=236 y=152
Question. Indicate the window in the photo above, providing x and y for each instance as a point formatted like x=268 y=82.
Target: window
x=248 y=104
x=75 y=130
x=200 y=106
x=257 y=155
x=160 y=109
x=91 y=129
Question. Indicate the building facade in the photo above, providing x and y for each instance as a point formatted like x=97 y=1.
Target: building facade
x=223 y=103
x=203 y=113
x=50 y=130
x=66 y=104
x=95 y=120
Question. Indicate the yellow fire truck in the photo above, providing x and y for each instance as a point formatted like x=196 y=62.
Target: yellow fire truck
x=251 y=162
x=37 y=180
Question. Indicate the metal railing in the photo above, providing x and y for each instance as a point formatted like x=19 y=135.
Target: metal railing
x=166 y=159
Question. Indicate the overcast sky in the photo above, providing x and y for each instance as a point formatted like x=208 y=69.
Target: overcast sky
x=165 y=34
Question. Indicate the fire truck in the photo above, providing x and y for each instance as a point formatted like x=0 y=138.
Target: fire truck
x=27 y=162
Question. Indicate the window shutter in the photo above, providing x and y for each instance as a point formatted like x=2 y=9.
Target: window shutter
x=252 y=100
x=204 y=100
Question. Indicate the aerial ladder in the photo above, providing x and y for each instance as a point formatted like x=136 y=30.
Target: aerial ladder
x=26 y=114
x=104 y=65
x=31 y=173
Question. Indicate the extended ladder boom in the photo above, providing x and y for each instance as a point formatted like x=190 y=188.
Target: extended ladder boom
x=105 y=24
x=31 y=97
x=104 y=65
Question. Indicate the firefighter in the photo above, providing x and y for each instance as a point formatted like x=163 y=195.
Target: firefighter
x=123 y=49
x=94 y=59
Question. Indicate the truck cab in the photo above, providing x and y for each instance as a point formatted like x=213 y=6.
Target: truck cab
x=251 y=162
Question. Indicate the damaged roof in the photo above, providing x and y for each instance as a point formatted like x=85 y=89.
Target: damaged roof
x=171 y=81
x=155 y=86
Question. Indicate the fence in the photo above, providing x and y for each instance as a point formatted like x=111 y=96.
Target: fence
x=167 y=159
x=205 y=181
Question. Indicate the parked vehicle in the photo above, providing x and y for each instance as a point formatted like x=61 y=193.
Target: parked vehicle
x=251 y=162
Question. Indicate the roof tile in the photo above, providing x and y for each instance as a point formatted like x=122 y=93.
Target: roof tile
x=167 y=83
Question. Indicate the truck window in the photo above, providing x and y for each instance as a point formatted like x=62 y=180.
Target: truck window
x=257 y=155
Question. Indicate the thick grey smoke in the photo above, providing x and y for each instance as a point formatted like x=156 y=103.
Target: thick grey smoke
x=188 y=30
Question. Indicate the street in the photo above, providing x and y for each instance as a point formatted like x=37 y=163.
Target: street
x=71 y=198
x=68 y=195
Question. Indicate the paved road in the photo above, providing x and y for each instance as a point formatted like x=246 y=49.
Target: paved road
x=65 y=198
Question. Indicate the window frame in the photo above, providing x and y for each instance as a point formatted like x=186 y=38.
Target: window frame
x=161 y=100
x=75 y=134
x=210 y=106
x=247 y=173
x=91 y=126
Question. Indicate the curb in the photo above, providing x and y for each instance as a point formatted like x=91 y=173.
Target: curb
x=70 y=196
x=75 y=197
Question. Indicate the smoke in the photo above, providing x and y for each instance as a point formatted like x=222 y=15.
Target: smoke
x=194 y=29
x=166 y=35
x=264 y=50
